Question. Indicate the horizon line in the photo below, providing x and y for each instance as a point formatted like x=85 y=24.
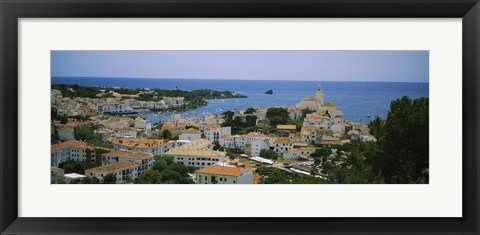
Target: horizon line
x=234 y=79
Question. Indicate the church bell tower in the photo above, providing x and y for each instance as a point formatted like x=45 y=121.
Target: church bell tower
x=319 y=94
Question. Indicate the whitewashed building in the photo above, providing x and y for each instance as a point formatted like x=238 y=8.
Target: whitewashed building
x=122 y=171
x=233 y=141
x=197 y=153
x=190 y=134
x=153 y=146
x=145 y=160
x=214 y=132
x=217 y=174
x=145 y=125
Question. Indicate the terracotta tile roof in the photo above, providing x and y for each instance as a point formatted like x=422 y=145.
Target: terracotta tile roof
x=332 y=142
x=222 y=170
x=316 y=116
x=202 y=153
x=195 y=148
x=287 y=127
x=170 y=126
x=139 y=142
x=129 y=153
x=284 y=140
x=127 y=129
x=329 y=104
x=120 y=166
x=257 y=178
x=301 y=149
x=71 y=143
x=254 y=134
x=309 y=98
x=192 y=131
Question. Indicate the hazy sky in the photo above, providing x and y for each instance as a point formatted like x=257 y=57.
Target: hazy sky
x=399 y=66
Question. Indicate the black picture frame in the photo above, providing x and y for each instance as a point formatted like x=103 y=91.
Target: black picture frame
x=12 y=10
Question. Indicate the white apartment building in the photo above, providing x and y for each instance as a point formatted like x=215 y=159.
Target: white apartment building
x=126 y=132
x=316 y=120
x=215 y=132
x=257 y=145
x=59 y=153
x=295 y=153
x=153 y=105
x=71 y=150
x=153 y=146
x=144 y=125
x=283 y=146
x=313 y=135
x=145 y=160
x=174 y=101
x=115 y=108
x=217 y=174
x=197 y=153
x=233 y=141
x=121 y=170
x=190 y=134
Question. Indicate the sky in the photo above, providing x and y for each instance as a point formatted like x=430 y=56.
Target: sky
x=386 y=66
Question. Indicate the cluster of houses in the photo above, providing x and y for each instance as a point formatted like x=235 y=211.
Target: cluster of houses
x=134 y=142
x=114 y=103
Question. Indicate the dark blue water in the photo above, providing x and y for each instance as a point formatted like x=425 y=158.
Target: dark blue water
x=356 y=99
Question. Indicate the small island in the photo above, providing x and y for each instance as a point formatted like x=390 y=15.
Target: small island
x=269 y=92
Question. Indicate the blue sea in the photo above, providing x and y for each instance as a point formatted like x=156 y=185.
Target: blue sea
x=355 y=99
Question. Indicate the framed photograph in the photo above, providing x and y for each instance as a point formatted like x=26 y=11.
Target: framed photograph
x=203 y=117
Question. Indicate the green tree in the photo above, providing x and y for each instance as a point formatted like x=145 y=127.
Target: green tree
x=55 y=138
x=109 y=179
x=249 y=110
x=376 y=127
x=277 y=116
x=400 y=154
x=86 y=133
x=160 y=164
x=63 y=119
x=228 y=115
x=149 y=177
x=404 y=138
x=166 y=171
x=320 y=155
x=90 y=180
x=166 y=134
x=72 y=167
x=217 y=146
x=297 y=122
x=268 y=153
x=306 y=111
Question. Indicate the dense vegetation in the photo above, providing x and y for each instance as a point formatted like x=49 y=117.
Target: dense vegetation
x=72 y=167
x=268 y=153
x=277 y=116
x=166 y=171
x=238 y=126
x=54 y=137
x=86 y=133
x=400 y=155
x=274 y=175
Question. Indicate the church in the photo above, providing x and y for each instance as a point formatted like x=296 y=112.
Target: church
x=316 y=104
